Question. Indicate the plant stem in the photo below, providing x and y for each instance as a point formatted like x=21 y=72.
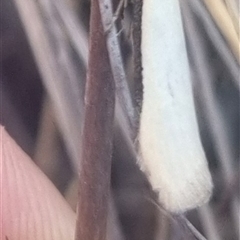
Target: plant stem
x=95 y=167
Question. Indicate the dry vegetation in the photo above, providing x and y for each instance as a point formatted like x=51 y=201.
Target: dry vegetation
x=44 y=59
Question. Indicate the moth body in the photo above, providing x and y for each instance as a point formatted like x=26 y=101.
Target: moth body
x=171 y=153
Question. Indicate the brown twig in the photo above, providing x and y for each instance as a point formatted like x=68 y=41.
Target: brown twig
x=137 y=55
x=122 y=88
x=94 y=183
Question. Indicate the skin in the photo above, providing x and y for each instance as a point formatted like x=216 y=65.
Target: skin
x=30 y=206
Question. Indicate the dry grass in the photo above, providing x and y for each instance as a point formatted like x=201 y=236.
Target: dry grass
x=55 y=37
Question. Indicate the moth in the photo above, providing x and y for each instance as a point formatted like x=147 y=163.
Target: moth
x=171 y=152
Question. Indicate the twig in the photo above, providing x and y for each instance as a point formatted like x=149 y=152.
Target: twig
x=122 y=89
x=76 y=32
x=56 y=73
x=94 y=183
x=137 y=55
x=113 y=230
x=183 y=221
x=224 y=22
x=46 y=149
x=229 y=192
x=217 y=40
x=120 y=8
x=233 y=12
x=212 y=111
x=163 y=227
x=191 y=228
x=214 y=117
x=208 y=221
x=73 y=27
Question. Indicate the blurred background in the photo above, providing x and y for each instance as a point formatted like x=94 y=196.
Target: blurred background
x=44 y=54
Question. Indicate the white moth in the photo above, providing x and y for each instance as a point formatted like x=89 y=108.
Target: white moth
x=171 y=153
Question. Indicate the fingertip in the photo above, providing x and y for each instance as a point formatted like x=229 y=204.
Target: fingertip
x=31 y=206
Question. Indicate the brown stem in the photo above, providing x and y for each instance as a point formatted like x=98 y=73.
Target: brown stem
x=95 y=167
x=137 y=55
x=123 y=94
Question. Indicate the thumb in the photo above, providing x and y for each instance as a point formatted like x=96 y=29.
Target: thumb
x=31 y=208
